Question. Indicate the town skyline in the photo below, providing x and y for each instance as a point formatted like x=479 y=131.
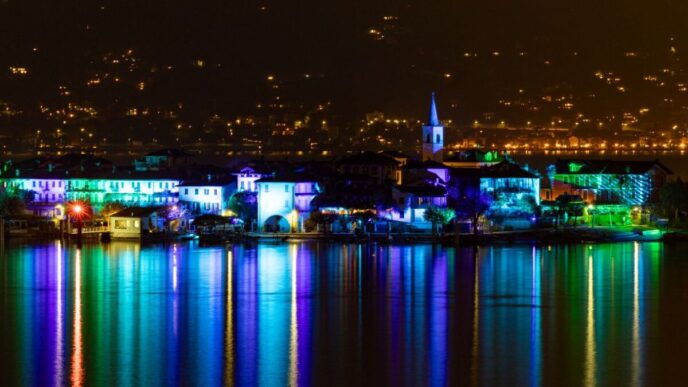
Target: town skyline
x=310 y=78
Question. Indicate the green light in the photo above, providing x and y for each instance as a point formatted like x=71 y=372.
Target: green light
x=575 y=167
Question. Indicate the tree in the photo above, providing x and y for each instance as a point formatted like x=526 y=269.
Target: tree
x=111 y=208
x=323 y=218
x=11 y=206
x=437 y=215
x=570 y=205
x=673 y=200
x=245 y=205
x=471 y=204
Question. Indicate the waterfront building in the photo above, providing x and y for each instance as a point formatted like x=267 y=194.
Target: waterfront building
x=48 y=189
x=206 y=196
x=627 y=182
x=284 y=201
x=137 y=223
x=130 y=188
x=246 y=179
x=428 y=171
x=383 y=168
x=163 y=159
x=433 y=135
x=413 y=201
x=616 y=192
x=505 y=193
x=473 y=158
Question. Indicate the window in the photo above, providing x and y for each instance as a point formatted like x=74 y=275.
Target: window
x=215 y=191
x=266 y=188
x=186 y=191
x=121 y=224
x=196 y=191
x=286 y=203
x=428 y=139
x=137 y=224
x=286 y=188
x=242 y=185
x=438 y=139
x=33 y=184
x=206 y=191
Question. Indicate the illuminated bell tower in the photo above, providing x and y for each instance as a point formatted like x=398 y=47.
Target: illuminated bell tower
x=433 y=135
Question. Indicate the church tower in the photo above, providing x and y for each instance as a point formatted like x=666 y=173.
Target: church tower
x=433 y=135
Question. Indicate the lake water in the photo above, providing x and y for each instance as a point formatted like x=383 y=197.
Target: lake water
x=336 y=314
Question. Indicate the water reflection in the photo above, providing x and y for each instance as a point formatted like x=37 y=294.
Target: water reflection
x=314 y=314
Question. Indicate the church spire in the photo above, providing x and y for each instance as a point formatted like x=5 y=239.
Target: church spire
x=434 y=119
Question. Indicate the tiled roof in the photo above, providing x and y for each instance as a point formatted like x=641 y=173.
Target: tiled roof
x=615 y=167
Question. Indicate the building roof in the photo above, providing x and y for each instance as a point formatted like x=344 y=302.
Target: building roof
x=613 y=167
x=212 y=181
x=289 y=178
x=475 y=156
x=505 y=169
x=104 y=174
x=136 y=212
x=170 y=152
x=424 y=190
x=395 y=154
x=368 y=158
x=427 y=164
x=433 y=119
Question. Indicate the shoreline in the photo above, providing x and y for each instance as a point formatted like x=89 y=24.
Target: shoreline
x=568 y=235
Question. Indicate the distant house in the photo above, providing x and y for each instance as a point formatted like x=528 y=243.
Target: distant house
x=163 y=159
x=427 y=171
x=627 y=182
x=136 y=223
x=379 y=166
x=206 y=196
x=412 y=201
x=246 y=179
x=284 y=202
x=474 y=158
x=510 y=191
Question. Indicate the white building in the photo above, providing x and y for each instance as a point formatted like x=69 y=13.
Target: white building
x=246 y=179
x=433 y=136
x=136 y=223
x=207 y=196
x=284 y=203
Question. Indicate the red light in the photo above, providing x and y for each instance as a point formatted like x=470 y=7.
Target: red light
x=79 y=210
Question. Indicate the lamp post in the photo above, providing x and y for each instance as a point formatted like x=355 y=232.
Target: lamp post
x=77 y=211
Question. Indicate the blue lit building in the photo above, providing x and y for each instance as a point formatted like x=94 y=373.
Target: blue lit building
x=206 y=196
x=627 y=182
x=284 y=202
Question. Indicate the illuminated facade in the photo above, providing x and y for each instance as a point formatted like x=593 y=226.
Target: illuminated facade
x=246 y=179
x=285 y=202
x=632 y=183
x=136 y=223
x=207 y=196
x=411 y=203
x=433 y=136
x=131 y=189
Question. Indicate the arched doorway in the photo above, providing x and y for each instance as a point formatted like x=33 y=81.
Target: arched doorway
x=276 y=223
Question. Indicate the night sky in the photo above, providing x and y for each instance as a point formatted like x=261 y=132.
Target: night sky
x=243 y=41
